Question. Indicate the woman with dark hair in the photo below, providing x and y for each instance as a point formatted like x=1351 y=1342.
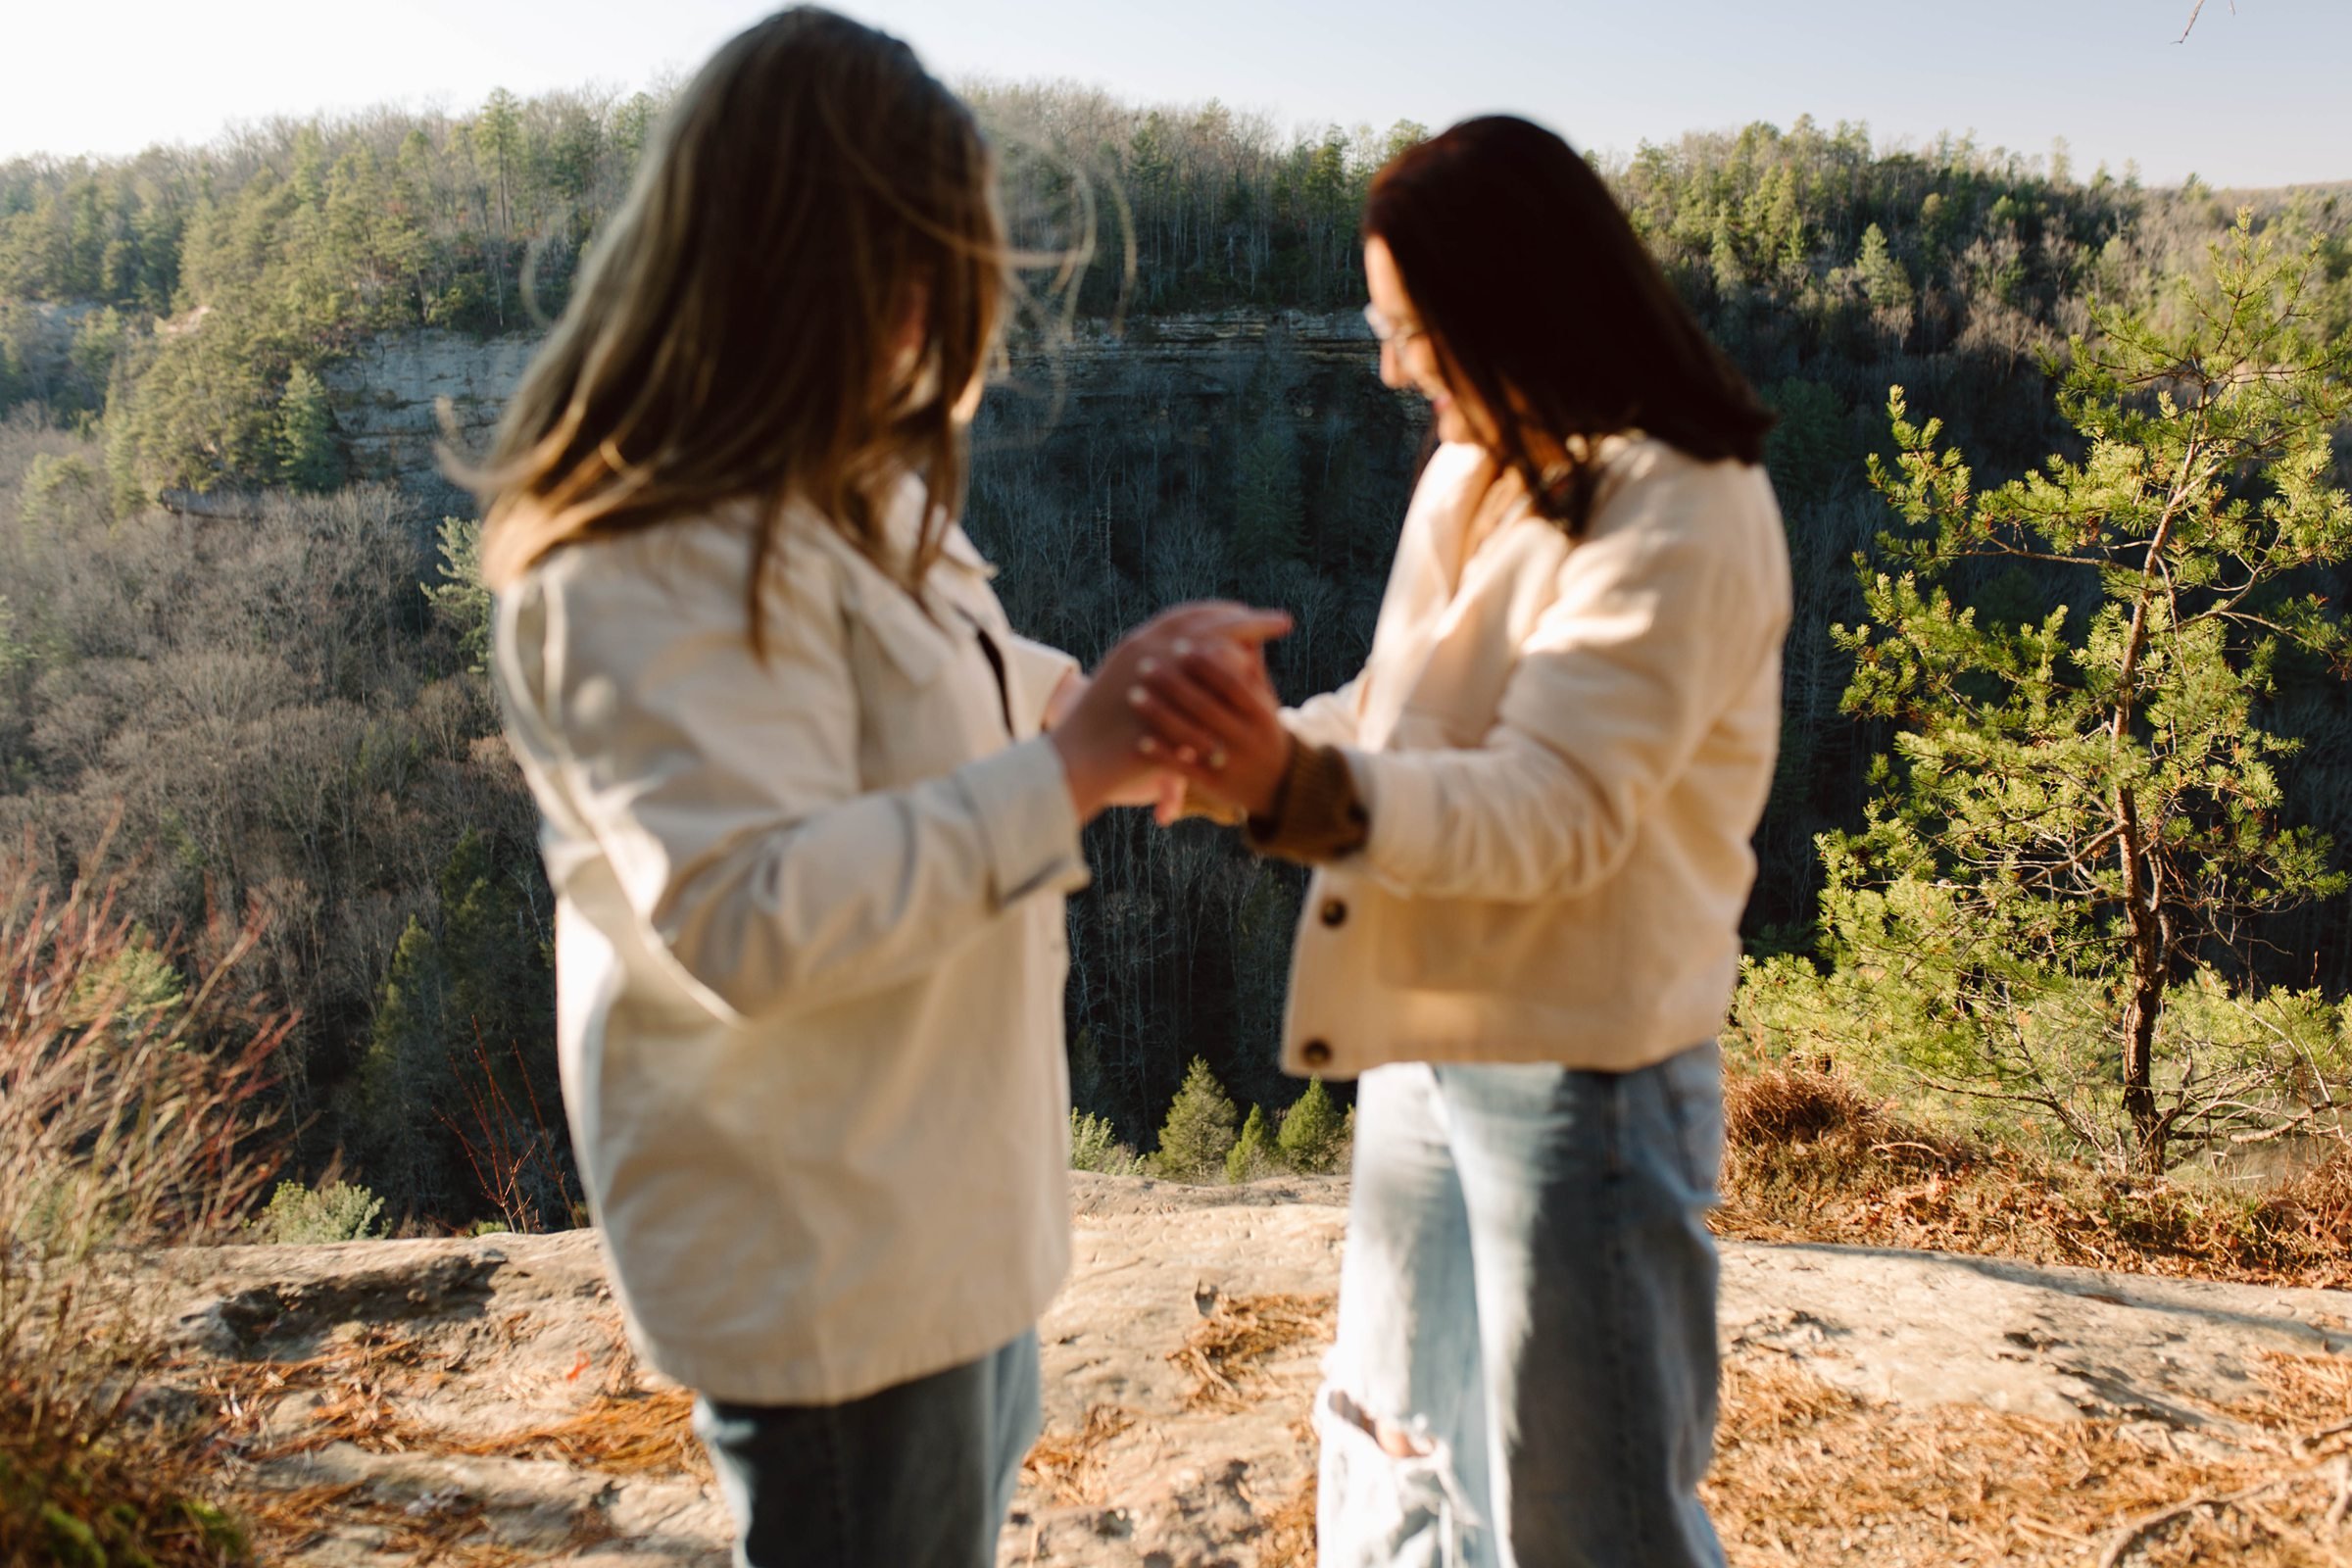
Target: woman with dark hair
x=1528 y=818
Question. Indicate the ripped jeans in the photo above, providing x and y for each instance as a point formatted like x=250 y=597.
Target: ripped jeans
x=1527 y=1304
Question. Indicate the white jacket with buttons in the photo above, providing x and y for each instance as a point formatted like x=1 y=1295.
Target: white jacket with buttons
x=809 y=950
x=1564 y=748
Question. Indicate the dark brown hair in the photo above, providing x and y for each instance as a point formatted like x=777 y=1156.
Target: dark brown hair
x=1541 y=300
x=731 y=336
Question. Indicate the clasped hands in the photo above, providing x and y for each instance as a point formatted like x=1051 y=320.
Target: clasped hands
x=1181 y=705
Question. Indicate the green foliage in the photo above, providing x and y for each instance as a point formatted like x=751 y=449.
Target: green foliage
x=308 y=456
x=299 y=1215
x=1251 y=1156
x=1095 y=1145
x=58 y=495
x=461 y=600
x=415 y=1114
x=136 y=988
x=1200 y=1131
x=1267 y=505
x=1314 y=1140
x=1882 y=277
x=15 y=655
x=1809 y=449
x=2082 y=810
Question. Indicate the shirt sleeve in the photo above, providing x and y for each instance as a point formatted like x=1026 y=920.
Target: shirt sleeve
x=1032 y=672
x=723 y=790
x=1326 y=721
x=1658 y=625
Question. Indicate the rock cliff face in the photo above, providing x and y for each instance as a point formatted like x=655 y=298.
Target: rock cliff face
x=471 y=1401
x=401 y=394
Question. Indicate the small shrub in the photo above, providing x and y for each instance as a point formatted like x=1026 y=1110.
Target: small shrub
x=1791 y=1105
x=1095 y=1145
x=1200 y=1130
x=1252 y=1156
x=300 y=1215
x=1314 y=1136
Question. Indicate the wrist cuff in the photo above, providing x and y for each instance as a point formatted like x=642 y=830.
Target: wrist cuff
x=1317 y=815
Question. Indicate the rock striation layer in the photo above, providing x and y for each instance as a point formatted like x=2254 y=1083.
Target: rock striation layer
x=401 y=395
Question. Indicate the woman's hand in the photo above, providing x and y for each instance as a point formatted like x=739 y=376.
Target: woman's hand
x=1213 y=721
x=1158 y=789
x=1103 y=733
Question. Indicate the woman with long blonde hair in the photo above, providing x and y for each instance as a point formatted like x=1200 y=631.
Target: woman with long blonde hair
x=810 y=805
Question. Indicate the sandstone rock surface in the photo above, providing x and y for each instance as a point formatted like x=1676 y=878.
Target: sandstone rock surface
x=472 y=1400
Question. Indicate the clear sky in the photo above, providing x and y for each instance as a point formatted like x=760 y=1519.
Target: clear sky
x=2258 y=96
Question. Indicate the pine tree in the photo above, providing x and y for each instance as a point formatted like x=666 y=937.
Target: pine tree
x=307 y=458
x=1199 y=1130
x=1251 y=1154
x=1312 y=1137
x=461 y=600
x=1095 y=1145
x=1268 y=507
x=2085 y=810
x=1884 y=281
x=404 y=1073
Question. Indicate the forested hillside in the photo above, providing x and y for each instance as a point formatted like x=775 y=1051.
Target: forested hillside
x=224 y=635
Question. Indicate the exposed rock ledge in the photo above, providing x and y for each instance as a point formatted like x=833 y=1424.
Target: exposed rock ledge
x=444 y=1399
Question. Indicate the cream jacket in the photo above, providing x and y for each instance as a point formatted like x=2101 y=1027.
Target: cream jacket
x=809 y=950
x=1564 y=748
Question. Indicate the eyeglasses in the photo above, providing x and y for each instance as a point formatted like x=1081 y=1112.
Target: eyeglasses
x=1395 y=333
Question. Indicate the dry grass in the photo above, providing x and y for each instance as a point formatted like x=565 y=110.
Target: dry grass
x=1226 y=1348
x=1288 y=1540
x=1807 y=1473
x=454 y=1534
x=649 y=1432
x=1813 y=1157
x=360 y=1392
x=623 y=1428
x=130 y=1109
x=1068 y=1465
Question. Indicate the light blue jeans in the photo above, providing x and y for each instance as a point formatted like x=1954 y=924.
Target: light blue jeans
x=917 y=1476
x=1529 y=1296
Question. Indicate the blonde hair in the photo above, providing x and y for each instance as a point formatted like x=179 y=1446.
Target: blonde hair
x=732 y=334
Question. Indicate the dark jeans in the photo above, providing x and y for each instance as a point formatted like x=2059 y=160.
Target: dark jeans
x=917 y=1476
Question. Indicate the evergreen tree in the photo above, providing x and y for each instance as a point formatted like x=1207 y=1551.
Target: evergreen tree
x=58 y=497
x=498 y=149
x=1095 y=1145
x=461 y=600
x=1312 y=1137
x=404 y=1075
x=15 y=655
x=1884 y=281
x=1268 y=506
x=1199 y=1130
x=1253 y=1154
x=2079 y=814
x=308 y=456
